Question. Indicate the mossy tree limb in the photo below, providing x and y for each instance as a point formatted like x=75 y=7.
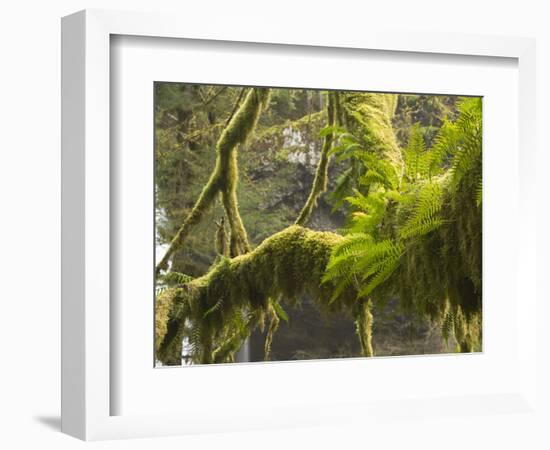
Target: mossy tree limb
x=224 y=177
x=238 y=238
x=321 y=174
x=370 y=115
x=273 y=326
x=287 y=265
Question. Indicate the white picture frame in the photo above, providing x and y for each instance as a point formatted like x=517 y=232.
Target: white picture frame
x=87 y=385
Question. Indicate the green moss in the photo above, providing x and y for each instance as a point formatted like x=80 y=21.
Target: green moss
x=371 y=115
x=162 y=310
x=273 y=326
x=287 y=265
x=363 y=326
x=222 y=241
x=168 y=332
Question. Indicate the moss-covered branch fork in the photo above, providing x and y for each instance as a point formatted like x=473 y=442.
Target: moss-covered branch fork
x=224 y=178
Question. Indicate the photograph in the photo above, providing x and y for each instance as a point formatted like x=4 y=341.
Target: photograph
x=309 y=224
x=244 y=226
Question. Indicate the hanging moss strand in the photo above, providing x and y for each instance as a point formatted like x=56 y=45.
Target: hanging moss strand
x=222 y=245
x=363 y=326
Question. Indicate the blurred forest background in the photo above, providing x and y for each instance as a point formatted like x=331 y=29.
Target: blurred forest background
x=277 y=166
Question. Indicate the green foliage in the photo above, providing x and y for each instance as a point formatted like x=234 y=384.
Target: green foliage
x=279 y=311
x=417 y=162
x=174 y=278
x=370 y=212
x=467 y=150
x=425 y=216
x=294 y=104
x=427 y=112
x=421 y=240
x=378 y=172
x=362 y=263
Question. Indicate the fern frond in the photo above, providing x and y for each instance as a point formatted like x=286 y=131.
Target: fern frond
x=343 y=187
x=371 y=212
x=383 y=271
x=332 y=129
x=425 y=217
x=445 y=144
x=479 y=192
x=352 y=244
x=372 y=177
x=174 y=278
x=416 y=157
x=378 y=264
x=447 y=326
x=216 y=307
x=281 y=313
x=385 y=170
x=467 y=155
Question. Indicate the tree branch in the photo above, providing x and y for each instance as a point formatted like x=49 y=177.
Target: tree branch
x=287 y=265
x=321 y=174
x=224 y=177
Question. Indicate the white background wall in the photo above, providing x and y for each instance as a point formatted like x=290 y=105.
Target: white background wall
x=30 y=193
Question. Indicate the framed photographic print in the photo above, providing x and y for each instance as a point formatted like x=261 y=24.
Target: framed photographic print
x=247 y=246
x=270 y=249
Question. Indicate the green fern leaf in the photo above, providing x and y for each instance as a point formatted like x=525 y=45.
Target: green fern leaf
x=281 y=313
